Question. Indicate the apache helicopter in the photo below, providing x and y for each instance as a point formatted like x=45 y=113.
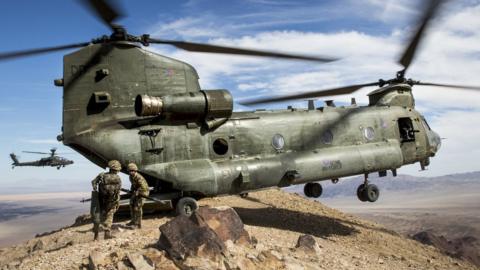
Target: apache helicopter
x=123 y=102
x=53 y=160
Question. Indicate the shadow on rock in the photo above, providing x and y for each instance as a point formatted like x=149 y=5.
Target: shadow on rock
x=284 y=219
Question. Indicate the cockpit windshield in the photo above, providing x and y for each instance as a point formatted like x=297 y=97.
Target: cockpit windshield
x=425 y=124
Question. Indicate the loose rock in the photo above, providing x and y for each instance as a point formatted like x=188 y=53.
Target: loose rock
x=96 y=259
x=139 y=262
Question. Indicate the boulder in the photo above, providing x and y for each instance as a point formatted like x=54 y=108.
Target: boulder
x=182 y=237
x=224 y=221
x=203 y=233
x=306 y=242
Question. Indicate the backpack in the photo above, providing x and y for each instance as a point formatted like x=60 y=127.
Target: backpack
x=109 y=186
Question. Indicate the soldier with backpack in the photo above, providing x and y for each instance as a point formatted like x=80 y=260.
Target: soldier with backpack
x=106 y=187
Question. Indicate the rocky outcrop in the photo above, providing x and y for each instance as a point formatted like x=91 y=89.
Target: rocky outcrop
x=466 y=248
x=269 y=230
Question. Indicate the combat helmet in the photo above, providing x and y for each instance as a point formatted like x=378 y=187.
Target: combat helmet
x=114 y=165
x=132 y=167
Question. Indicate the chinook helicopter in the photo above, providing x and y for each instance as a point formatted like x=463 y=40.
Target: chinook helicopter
x=53 y=160
x=123 y=102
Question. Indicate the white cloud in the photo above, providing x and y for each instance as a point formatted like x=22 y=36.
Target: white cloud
x=450 y=53
x=187 y=27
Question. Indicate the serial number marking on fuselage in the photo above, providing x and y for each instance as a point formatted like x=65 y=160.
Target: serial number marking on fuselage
x=328 y=165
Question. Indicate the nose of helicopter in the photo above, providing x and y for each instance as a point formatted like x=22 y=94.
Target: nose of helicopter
x=435 y=142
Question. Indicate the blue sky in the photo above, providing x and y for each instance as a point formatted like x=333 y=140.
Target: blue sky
x=367 y=34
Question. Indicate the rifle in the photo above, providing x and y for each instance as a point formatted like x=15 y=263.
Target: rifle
x=129 y=192
x=143 y=196
x=95 y=213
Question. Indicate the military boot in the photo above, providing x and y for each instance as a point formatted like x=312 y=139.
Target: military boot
x=131 y=223
x=108 y=235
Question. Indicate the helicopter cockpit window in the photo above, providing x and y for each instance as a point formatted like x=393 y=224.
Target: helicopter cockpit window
x=425 y=124
x=407 y=132
x=220 y=146
x=278 y=142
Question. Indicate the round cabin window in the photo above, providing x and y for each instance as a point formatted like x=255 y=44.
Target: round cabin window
x=278 y=142
x=327 y=137
x=220 y=146
x=369 y=133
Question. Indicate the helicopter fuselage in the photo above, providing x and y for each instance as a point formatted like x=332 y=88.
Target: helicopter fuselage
x=245 y=151
x=261 y=149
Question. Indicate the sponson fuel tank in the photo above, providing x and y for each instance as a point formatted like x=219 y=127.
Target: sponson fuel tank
x=208 y=178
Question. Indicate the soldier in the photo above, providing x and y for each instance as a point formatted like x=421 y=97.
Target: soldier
x=108 y=186
x=139 y=190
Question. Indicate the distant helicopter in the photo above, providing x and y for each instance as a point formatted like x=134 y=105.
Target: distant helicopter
x=53 y=160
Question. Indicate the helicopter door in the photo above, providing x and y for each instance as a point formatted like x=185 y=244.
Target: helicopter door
x=407 y=129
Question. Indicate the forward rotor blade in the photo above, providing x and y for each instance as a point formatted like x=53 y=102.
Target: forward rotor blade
x=468 y=87
x=41 y=153
x=198 y=47
x=314 y=94
x=105 y=10
x=409 y=53
x=16 y=54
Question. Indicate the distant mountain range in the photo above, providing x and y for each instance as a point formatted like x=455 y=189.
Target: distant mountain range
x=348 y=186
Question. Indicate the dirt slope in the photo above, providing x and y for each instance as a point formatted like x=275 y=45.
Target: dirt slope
x=275 y=218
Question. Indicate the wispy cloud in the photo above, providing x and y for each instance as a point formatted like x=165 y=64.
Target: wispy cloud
x=449 y=54
x=41 y=141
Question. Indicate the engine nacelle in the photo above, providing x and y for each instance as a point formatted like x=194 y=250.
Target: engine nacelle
x=207 y=104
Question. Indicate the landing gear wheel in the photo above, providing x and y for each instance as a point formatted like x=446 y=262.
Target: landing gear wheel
x=186 y=206
x=361 y=193
x=313 y=190
x=371 y=193
x=368 y=193
x=244 y=195
x=306 y=190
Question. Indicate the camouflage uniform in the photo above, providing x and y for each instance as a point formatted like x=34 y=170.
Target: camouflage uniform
x=109 y=185
x=138 y=189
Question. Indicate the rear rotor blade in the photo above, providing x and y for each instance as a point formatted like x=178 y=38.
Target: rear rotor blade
x=314 y=94
x=105 y=10
x=199 y=47
x=31 y=152
x=409 y=52
x=467 y=87
x=16 y=54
